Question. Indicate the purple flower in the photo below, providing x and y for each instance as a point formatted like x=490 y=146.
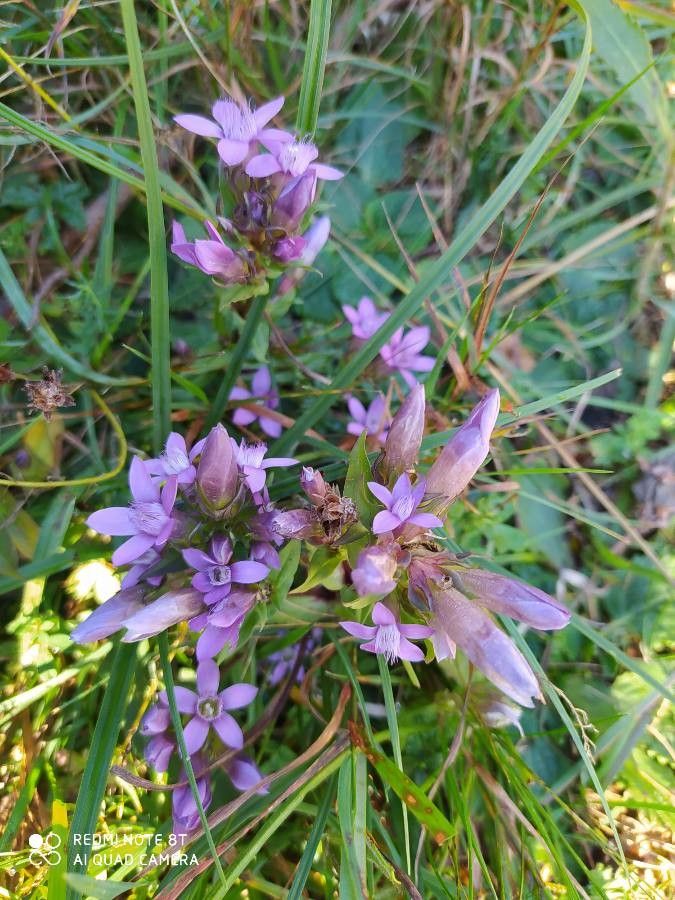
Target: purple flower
x=214 y=576
x=291 y=157
x=263 y=391
x=156 y=720
x=175 y=460
x=296 y=524
x=169 y=609
x=244 y=774
x=148 y=519
x=464 y=453
x=510 y=597
x=222 y=623
x=184 y=808
x=365 y=318
x=374 y=420
x=137 y=572
x=374 y=572
x=209 y=708
x=313 y=484
x=289 y=249
x=158 y=752
x=461 y=622
x=217 y=473
x=252 y=462
x=315 y=239
x=110 y=616
x=403 y=353
x=388 y=637
x=401 y=504
x=237 y=126
x=213 y=256
x=405 y=435
x=293 y=202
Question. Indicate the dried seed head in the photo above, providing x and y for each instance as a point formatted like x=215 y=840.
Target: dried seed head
x=48 y=394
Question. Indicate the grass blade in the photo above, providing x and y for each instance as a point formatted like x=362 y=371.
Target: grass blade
x=314 y=66
x=92 y=786
x=159 y=279
x=392 y=722
x=304 y=867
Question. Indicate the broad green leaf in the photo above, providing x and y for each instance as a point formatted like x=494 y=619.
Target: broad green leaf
x=323 y=563
x=359 y=473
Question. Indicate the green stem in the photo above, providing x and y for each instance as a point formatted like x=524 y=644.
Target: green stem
x=163 y=641
x=237 y=360
x=392 y=721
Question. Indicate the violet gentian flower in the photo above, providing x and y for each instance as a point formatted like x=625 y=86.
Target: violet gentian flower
x=291 y=157
x=374 y=420
x=110 y=616
x=365 y=318
x=213 y=256
x=464 y=453
x=217 y=479
x=169 y=609
x=403 y=353
x=222 y=623
x=513 y=598
x=404 y=439
x=315 y=239
x=175 y=460
x=388 y=636
x=137 y=572
x=147 y=519
x=209 y=708
x=374 y=572
x=252 y=462
x=293 y=201
x=401 y=504
x=214 y=578
x=460 y=622
x=262 y=392
x=236 y=126
x=184 y=809
x=158 y=752
x=289 y=249
x=244 y=774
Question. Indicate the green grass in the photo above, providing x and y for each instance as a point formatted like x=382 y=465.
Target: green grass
x=452 y=123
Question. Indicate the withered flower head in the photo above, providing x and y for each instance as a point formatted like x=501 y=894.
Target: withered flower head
x=48 y=394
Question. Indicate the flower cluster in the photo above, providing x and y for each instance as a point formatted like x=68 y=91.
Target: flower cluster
x=272 y=178
x=408 y=568
x=199 y=548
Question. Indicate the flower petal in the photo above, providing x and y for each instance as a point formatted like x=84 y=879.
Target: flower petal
x=267 y=111
x=228 y=731
x=248 y=572
x=385 y=521
x=208 y=678
x=237 y=695
x=357 y=630
x=382 y=615
x=409 y=651
x=232 y=152
x=130 y=550
x=142 y=486
x=197 y=559
x=382 y=493
x=262 y=166
x=199 y=125
x=114 y=520
x=195 y=734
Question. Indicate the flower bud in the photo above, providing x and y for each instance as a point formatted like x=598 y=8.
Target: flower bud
x=405 y=436
x=293 y=202
x=168 y=610
x=288 y=249
x=462 y=456
x=512 y=598
x=110 y=616
x=313 y=484
x=374 y=572
x=296 y=523
x=217 y=473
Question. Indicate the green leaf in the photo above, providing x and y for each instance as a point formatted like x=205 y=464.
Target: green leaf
x=323 y=563
x=314 y=66
x=101 y=890
x=424 y=810
x=282 y=579
x=624 y=47
x=359 y=473
x=95 y=777
x=159 y=279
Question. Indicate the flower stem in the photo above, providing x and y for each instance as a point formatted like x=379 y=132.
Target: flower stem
x=392 y=721
x=253 y=318
x=163 y=641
